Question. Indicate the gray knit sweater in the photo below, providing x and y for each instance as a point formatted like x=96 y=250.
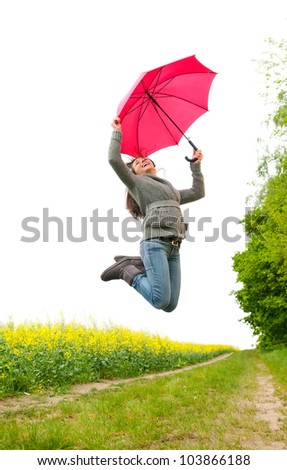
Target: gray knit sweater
x=157 y=199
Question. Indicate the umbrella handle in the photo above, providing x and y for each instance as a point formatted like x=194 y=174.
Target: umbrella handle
x=192 y=160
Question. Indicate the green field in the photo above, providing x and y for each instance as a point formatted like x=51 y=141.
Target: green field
x=36 y=357
x=215 y=406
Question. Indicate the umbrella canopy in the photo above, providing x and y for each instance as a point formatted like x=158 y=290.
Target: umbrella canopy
x=162 y=105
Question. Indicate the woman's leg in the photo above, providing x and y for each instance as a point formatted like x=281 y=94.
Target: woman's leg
x=175 y=279
x=155 y=286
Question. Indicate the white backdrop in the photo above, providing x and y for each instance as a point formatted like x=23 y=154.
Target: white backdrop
x=65 y=66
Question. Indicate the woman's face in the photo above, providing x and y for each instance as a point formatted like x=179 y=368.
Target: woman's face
x=143 y=165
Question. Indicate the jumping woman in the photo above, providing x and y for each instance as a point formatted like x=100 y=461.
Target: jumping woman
x=156 y=273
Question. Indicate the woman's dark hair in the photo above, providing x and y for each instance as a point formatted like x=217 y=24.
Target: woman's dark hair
x=131 y=205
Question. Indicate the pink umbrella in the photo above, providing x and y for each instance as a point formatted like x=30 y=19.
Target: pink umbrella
x=162 y=105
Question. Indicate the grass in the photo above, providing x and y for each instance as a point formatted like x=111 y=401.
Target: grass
x=36 y=357
x=205 y=408
x=276 y=361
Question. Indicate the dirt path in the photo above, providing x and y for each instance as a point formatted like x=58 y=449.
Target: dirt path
x=16 y=403
x=269 y=408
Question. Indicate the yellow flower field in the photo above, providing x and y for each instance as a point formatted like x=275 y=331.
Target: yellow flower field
x=34 y=357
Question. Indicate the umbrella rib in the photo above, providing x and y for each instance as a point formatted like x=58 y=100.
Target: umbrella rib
x=151 y=88
x=141 y=113
x=139 y=105
x=163 y=95
x=144 y=98
x=148 y=100
x=153 y=93
x=155 y=106
x=167 y=82
x=154 y=102
x=166 y=95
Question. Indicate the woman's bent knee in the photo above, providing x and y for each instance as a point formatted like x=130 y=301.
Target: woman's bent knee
x=170 y=308
x=160 y=304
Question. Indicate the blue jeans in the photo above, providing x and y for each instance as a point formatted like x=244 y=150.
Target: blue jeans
x=160 y=286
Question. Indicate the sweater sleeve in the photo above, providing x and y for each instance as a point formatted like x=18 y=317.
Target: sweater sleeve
x=115 y=160
x=197 y=191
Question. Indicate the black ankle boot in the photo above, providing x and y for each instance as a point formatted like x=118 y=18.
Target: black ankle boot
x=135 y=260
x=123 y=269
x=120 y=257
x=129 y=272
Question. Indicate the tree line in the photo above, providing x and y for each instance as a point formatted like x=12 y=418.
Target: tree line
x=262 y=267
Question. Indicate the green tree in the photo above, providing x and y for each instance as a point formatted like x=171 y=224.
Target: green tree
x=262 y=267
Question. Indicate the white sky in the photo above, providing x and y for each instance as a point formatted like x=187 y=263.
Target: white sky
x=65 y=66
